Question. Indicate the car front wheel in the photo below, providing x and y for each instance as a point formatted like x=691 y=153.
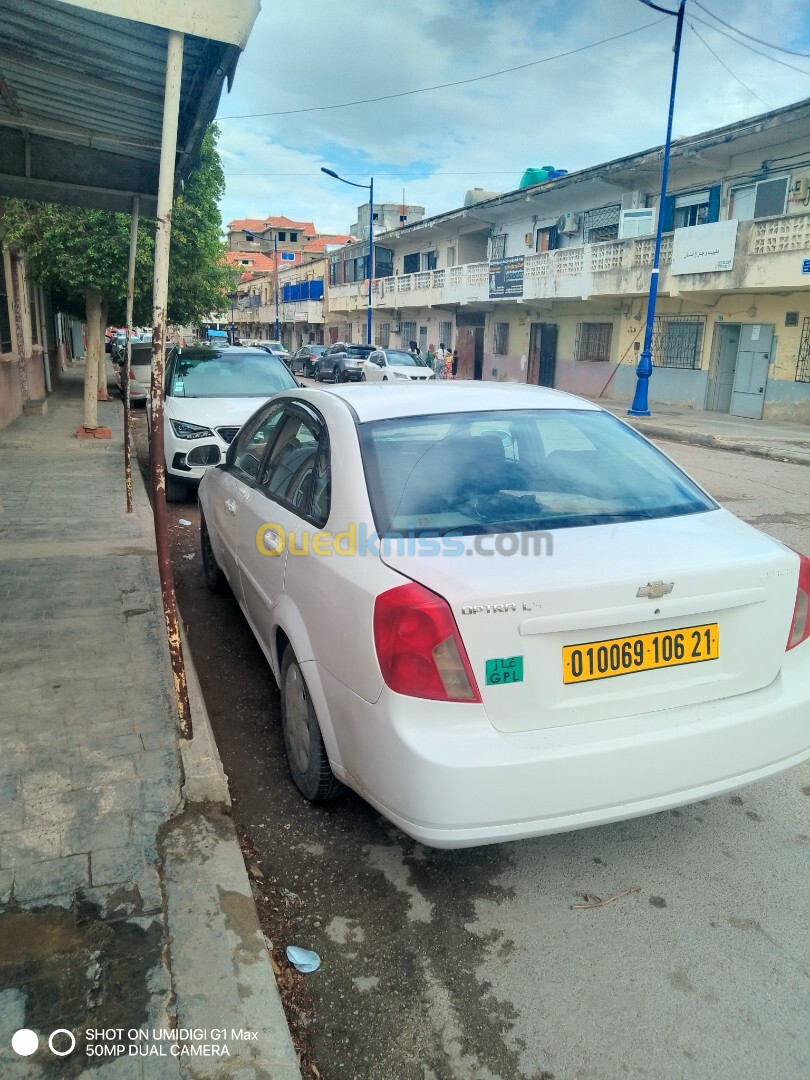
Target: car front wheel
x=336 y=373
x=306 y=755
x=176 y=490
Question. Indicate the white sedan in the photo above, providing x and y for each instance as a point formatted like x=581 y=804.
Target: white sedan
x=496 y=611
x=395 y=365
x=210 y=392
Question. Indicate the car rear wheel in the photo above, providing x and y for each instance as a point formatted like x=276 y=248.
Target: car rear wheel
x=214 y=578
x=336 y=372
x=306 y=755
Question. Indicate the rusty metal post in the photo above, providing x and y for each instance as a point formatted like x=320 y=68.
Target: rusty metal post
x=168 y=152
x=133 y=246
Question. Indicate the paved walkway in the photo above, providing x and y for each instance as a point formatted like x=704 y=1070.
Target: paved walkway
x=762 y=438
x=124 y=902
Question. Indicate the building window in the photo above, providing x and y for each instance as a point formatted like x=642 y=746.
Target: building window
x=408 y=333
x=497 y=246
x=547 y=239
x=410 y=264
x=288 y=256
x=791 y=318
x=32 y=313
x=282 y=236
x=293 y=237
x=5 y=318
x=383 y=336
x=429 y=260
x=691 y=208
x=601 y=225
x=677 y=340
x=348 y=335
x=500 y=338
x=446 y=334
x=451 y=256
x=593 y=341
x=803 y=366
x=375 y=217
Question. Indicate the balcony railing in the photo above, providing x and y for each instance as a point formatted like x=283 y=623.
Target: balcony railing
x=469 y=282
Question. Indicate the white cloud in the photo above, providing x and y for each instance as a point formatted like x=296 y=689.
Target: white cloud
x=570 y=113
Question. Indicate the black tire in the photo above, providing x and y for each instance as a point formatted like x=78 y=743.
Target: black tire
x=176 y=490
x=318 y=375
x=303 y=745
x=385 y=378
x=336 y=373
x=214 y=578
x=362 y=376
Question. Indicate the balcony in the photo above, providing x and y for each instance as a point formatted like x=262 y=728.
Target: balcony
x=767 y=256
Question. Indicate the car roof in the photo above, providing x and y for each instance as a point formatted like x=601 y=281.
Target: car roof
x=373 y=401
x=232 y=352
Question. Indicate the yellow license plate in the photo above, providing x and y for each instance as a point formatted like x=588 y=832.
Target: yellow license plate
x=642 y=652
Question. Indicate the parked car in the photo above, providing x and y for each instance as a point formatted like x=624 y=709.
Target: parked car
x=210 y=392
x=342 y=362
x=396 y=365
x=140 y=371
x=536 y=621
x=277 y=349
x=306 y=358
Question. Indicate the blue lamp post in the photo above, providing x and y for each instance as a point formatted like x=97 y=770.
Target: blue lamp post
x=251 y=236
x=370 y=188
x=644 y=370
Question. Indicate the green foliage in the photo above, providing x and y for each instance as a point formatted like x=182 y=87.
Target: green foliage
x=70 y=250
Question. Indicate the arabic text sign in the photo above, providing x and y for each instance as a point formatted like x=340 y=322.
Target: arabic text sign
x=704 y=249
x=506 y=277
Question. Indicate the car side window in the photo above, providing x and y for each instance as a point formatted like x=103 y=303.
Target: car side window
x=295 y=468
x=252 y=442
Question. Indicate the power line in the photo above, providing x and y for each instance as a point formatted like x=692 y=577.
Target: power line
x=728 y=69
x=444 y=86
x=745 y=45
x=742 y=33
x=412 y=174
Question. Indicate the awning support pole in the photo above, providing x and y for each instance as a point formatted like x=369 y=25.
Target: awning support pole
x=133 y=247
x=168 y=153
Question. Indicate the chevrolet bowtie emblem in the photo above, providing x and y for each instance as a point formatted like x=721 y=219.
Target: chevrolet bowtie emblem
x=654 y=590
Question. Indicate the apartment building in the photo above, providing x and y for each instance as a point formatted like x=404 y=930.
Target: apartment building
x=295 y=297
x=385 y=216
x=548 y=284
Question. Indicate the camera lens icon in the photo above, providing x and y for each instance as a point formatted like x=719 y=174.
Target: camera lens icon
x=61 y=1052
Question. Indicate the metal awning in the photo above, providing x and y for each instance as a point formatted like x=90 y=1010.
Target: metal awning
x=81 y=93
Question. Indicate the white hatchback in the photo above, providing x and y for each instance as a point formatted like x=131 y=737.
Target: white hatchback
x=396 y=365
x=496 y=611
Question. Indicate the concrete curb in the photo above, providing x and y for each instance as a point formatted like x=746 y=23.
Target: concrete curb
x=217 y=956
x=695 y=438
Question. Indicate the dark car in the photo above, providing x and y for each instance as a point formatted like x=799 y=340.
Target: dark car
x=306 y=359
x=342 y=362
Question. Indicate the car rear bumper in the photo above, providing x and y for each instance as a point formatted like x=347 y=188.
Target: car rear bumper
x=445 y=776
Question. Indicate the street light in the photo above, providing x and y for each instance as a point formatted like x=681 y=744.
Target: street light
x=252 y=237
x=370 y=188
x=640 y=406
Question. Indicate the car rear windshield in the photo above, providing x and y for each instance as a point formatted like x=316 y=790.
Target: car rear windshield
x=229 y=374
x=358 y=350
x=517 y=471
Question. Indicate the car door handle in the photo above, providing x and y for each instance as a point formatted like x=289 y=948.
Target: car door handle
x=230 y=506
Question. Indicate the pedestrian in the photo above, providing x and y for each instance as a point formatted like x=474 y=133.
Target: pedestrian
x=454 y=363
x=413 y=349
x=430 y=357
x=442 y=352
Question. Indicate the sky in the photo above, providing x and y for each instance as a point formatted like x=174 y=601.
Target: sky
x=570 y=112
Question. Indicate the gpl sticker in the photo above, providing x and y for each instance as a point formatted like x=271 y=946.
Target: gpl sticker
x=504 y=669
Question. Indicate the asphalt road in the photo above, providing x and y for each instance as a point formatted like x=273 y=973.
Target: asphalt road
x=449 y=965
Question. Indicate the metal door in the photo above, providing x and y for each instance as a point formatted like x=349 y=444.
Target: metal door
x=751 y=375
x=725 y=365
x=423 y=341
x=548 y=354
x=478 y=368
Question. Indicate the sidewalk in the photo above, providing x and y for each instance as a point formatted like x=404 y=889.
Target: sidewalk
x=761 y=438
x=125 y=908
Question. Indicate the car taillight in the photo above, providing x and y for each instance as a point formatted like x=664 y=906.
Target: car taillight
x=419 y=648
x=800 y=628
x=132 y=374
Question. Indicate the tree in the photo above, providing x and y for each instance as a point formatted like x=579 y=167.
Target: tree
x=82 y=256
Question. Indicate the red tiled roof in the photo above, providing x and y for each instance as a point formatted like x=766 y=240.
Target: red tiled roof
x=323 y=241
x=252 y=224
x=259 y=261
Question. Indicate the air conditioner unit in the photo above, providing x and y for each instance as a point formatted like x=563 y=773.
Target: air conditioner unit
x=631 y=200
x=568 y=224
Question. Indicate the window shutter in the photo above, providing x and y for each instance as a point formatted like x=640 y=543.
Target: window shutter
x=668 y=219
x=553 y=238
x=770 y=200
x=713 y=213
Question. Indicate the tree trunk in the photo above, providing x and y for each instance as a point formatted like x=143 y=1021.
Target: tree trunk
x=102 y=355
x=91 y=358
